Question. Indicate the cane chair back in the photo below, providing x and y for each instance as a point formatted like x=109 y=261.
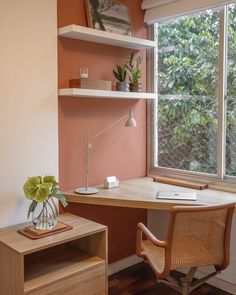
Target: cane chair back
x=197 y=236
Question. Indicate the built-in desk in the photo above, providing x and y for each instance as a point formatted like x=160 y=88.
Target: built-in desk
x=141 y=193
x=123 y=207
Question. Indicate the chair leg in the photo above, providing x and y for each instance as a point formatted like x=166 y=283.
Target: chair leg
x=187 y=280
x=191 y=274
x=185 y=286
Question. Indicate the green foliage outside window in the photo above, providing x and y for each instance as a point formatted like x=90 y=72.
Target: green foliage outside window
x=188 y=59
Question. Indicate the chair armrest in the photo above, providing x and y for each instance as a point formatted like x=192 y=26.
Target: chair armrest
x=141 y=228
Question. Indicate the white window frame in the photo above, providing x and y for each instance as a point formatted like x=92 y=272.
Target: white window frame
x=220 y=178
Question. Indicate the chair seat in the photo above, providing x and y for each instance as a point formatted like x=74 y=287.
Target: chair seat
x=195 y=255
x=155 y=254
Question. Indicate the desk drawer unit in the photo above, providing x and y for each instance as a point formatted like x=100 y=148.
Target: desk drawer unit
x=72 y=263
x=90 y=282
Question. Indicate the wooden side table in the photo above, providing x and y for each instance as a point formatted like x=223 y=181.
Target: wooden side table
x=73 y=262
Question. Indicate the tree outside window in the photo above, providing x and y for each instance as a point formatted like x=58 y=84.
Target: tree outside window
x=188 y=57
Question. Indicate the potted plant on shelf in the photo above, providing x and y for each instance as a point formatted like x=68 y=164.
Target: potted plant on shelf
x=120 y=74
x=134 y=72
x=41 y=191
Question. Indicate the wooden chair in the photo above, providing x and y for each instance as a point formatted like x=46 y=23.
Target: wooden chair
x=197 y=236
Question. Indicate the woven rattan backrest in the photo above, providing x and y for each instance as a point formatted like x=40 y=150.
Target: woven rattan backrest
x=199 y=236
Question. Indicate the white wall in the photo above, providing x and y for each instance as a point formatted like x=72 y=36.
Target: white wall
x=157 y=223
x=28 y=100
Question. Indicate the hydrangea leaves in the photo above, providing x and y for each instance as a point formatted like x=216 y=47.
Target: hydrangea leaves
x=39 y=189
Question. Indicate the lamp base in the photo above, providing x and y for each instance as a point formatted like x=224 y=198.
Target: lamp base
x=86 y=191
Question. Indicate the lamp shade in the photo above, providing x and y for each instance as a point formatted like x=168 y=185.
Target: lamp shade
x=131 y=122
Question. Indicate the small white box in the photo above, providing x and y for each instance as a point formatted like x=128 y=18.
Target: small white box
x=111 y=182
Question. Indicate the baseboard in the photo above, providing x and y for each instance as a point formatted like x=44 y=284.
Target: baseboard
x=215 y=281
x=123 y=263
x=219 y=283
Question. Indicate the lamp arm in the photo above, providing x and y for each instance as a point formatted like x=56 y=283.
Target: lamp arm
x=107 y=128
x=91 y=138
x=90 y=146
x=89 y=149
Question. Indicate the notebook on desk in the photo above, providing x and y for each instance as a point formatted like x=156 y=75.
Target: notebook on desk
x=188 y=196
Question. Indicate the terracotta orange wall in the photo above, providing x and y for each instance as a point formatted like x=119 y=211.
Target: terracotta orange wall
x=120 y=151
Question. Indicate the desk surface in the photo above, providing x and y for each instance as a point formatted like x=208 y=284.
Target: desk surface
x=141 y=193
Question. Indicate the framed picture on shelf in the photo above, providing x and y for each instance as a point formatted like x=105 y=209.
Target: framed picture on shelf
x=109 y=15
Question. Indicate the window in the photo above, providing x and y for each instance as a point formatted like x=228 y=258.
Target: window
x=231 y=95
x=197 y=94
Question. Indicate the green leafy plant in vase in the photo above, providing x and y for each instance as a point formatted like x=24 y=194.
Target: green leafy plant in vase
x=134 y=72
x=120 y=74
x=42 y=191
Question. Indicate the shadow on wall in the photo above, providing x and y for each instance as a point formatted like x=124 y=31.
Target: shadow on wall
x=14 y=208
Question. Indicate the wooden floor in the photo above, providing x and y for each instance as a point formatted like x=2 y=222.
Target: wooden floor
x=140 y=280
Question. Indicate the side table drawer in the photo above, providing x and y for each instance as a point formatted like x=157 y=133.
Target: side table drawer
x=89 y=282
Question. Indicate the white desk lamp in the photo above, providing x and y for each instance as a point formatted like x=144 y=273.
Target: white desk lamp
x=129 y=123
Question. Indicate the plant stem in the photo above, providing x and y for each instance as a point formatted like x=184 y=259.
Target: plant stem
x=41 y=211
x=46 y=217
x=51 y=208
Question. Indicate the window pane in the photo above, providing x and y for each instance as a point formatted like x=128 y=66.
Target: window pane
x=188 y=53
x=231 y=95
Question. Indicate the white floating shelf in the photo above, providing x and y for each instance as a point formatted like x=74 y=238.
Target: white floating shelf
x=97 y=36
x=78 y=92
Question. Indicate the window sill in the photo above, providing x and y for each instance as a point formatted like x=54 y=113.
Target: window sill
x=228 y=184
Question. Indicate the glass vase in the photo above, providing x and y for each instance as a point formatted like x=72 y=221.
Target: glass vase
x=45 y=215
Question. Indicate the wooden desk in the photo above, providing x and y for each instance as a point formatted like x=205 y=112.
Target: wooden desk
x=141 y=193
x=122 y=208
